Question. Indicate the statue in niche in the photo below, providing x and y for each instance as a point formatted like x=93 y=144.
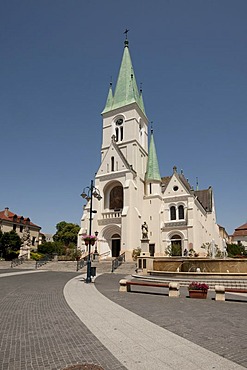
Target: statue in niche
x=144 y=230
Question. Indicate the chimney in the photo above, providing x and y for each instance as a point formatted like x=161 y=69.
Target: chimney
x=6 y=212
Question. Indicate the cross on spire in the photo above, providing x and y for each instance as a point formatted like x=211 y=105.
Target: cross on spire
x=126 y=33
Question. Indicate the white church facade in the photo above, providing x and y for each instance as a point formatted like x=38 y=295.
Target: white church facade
x=134 y=192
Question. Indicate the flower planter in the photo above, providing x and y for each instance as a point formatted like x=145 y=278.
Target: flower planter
x=197 y=293
x=89 y=239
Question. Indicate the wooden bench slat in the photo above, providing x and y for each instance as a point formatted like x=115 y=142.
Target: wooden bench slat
x=147 y=284
x=235 y=290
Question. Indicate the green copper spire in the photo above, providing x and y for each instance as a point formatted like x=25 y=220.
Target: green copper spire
x=141 y=102
x=109 y=100
x=153 y=172
x=126 y=91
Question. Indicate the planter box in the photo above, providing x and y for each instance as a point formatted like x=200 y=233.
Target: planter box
x=197 y=293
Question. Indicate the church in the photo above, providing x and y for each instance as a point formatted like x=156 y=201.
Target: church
x=133 y=190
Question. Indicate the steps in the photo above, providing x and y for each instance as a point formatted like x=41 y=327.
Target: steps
x=5 y=265
x=105 y=266
x=127 y=268
x=26 y=265
x=59 y=266
x=102 y=267
x=228 y=283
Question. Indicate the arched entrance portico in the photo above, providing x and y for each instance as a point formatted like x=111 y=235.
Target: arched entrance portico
x=112 y=236
x=176 y=242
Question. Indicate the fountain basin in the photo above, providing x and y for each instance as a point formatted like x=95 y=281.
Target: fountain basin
x=218 y=266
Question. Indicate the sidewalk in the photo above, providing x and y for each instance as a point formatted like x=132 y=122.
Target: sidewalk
x=136 y=342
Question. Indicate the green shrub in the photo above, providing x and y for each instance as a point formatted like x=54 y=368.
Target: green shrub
x=11 y=255
x=36 y=256
x=136 y=253
x=174 y=249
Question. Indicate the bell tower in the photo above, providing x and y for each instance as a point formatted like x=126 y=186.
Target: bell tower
x=124 y=117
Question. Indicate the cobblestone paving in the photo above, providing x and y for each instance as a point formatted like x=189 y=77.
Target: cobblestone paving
x=39 y=330
x=220 y=327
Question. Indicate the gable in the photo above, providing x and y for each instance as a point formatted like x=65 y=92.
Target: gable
x=113 y=161
x=174 y=186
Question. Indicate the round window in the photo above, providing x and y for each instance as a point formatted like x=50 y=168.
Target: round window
x=119 y=122
x=175 y=188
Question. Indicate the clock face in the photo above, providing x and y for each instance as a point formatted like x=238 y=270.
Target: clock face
x=119 y=121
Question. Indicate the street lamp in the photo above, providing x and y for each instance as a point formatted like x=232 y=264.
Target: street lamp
x=95 y=249
x=88 y=193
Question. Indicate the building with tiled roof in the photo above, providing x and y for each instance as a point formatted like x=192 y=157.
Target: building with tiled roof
x=240 y=235
x=133 y=190
x=11 y=221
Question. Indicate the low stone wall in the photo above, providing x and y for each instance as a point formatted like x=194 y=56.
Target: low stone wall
x=216 y=265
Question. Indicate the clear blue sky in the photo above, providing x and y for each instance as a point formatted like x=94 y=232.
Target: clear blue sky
x=56 y=61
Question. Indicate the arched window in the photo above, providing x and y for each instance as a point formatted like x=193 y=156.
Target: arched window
x=112 y=163
x=172 y=213
x=181 y=212
x=119 y=129
x=116 y=198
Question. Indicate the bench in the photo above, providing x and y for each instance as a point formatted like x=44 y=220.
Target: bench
x=220 y=291
x=125 y=286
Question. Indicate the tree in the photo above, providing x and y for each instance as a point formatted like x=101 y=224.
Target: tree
x=66 y=233
x=51 y=247
x=236 y=250
x=10 y=242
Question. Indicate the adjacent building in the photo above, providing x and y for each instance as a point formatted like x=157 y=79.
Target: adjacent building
x=11 y=221
x=240 y=235
x=133 y=190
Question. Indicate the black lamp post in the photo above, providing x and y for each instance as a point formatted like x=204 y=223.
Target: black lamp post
x=88 y=194
x=95 y=249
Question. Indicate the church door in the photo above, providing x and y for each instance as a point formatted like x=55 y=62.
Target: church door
x=176 y=245
x=115 y=245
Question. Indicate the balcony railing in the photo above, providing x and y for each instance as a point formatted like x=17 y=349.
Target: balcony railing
x=111 y=217
x=112 y=214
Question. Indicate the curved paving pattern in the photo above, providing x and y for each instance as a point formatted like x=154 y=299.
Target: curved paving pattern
x=137 y=342
x=39 y=331
x=217 y=326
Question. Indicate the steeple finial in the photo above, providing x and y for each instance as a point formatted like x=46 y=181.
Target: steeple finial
x=126 y=42
x=197 y=184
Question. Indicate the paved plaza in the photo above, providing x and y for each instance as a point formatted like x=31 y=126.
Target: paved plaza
x=51 y=320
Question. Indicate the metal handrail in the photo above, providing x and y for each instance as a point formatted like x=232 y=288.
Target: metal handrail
x=82 y=262
x=105 y=254
x=19 y=261
x=117 y=262
x=43 y=261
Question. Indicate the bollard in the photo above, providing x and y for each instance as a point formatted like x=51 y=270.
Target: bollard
x=219 y=293
x=174 y=289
